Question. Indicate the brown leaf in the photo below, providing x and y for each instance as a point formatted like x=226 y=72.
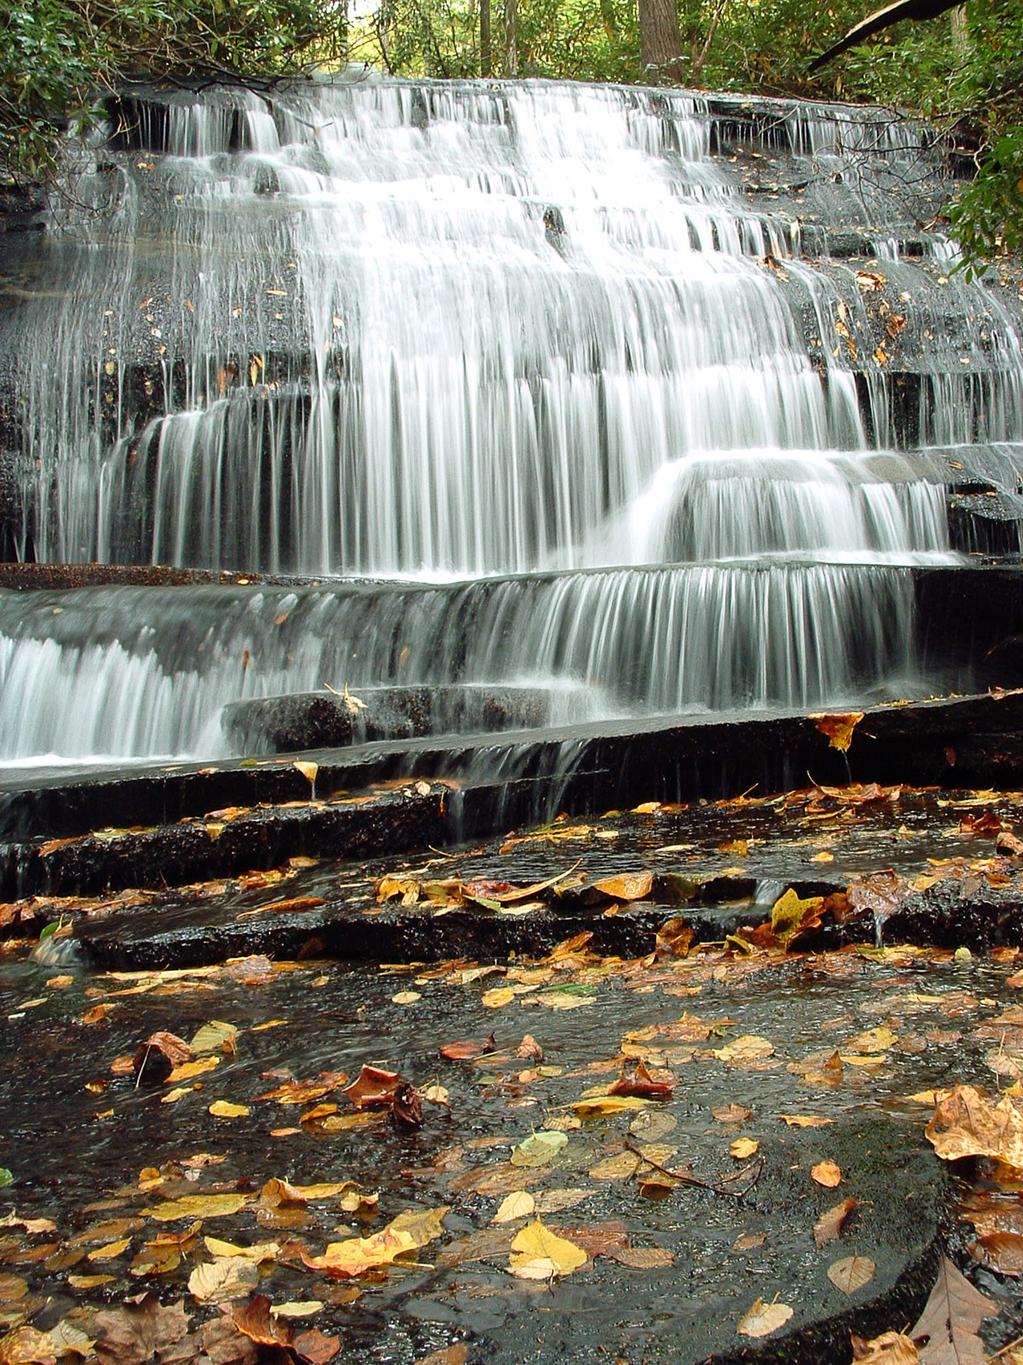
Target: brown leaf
x=255 y=1321
x=407 y=1107
x=1008 y=844
x=373 y=1088
x=999 y=1251
x=141 y=1332
x=156 y=1058
x=987 y=822
x=890 y=1348
x=315 y=1346
x=851 y=1273
x=467 y=1050
x=964 y=1123
x=529 y=1049
x=642 y=1258
x=448 y=1355
x=626 y=886
x=830 y=1224
x=642 y=1082
x=950 y=1319
x=731 y=1113
x=881 y=893
x=674 y=939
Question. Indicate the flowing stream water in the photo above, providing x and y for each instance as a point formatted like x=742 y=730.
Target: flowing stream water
x=525 y=375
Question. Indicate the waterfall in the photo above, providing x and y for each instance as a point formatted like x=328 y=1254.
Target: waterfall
x=576 y=367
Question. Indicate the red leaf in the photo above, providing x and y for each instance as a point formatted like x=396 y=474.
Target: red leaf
x=466 y=1049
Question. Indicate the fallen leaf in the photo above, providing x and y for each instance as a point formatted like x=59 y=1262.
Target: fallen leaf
x=742 y=1148
x=355 y=1256
x=640 y=1081
x=964 y=1123
x=216 y=1036
x=951 y=1317
x=791 y=916
x=224 y=1109
x=519 y=1204
x=805 y=1120
x=198 y=1206
x=373 y=1088
x=642 y=1258
x=261 y=1251
x=748 y=1047
x=999 y=1251
x=141 y=1332
x=156 y=1058
x=537 y=1253
x=831 y=1222
x=851 y=1273
x=674 y=939
x=223 y=1279
x=761 y=1319
x=277 y=1191
x=826 y=1173
x=890 y=1348
x=731 y=1113
x=467 y=1049
x=626 y=886
x=539 y=1149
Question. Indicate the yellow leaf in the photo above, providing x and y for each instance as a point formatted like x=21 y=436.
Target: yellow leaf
x=408 y=1232
x=216 y=1036
x=281 y=1192
x=805 y=1120
x=789 y=914
x=303 y=1308
x=224 y=1109
x=743 y=1147
x=761 y=1319
x=497 y=997
x=539 y=1254
x=621 y=1166
x=599 y=1106
x=877 y=1039
x=838 y=728
x=748 y=1047
x=520 y=1204
x=406 y=997
x=198 y=1206
x=110 y=1251
x=262 y=1251
x=307 y=769
x=187 y=1070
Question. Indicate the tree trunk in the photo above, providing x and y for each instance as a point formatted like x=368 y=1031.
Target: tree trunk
x=486 y=45
x=511 y=45
x=659 y=39
x=960 y=31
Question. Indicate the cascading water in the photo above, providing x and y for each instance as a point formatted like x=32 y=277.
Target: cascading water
x=513 y=333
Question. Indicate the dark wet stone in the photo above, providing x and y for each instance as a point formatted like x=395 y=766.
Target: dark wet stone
x=317 y=720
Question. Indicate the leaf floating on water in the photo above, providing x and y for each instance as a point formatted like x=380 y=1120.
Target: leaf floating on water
x=216 y=1036
x=851 y=1273
x=198 y=1206
x=223 y=1279
x=965 y=1123
x=467 y=1049
x=999 y=1251
x=224 y=1109
x=643 y=1083
x=761 y=1319
x=540 y=1149
x=156 y=1058
x=805 y=1120
x=537 y=1253
x=408 y=1232
x=951 y=1319
x=519 y=1204
x=373 y=1088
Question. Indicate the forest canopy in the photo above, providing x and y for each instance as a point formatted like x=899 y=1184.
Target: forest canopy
x=962 y=70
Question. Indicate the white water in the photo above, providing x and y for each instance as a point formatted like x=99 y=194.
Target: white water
x=449 y=332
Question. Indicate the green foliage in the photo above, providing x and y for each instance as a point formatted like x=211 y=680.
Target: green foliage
x=57 y=56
